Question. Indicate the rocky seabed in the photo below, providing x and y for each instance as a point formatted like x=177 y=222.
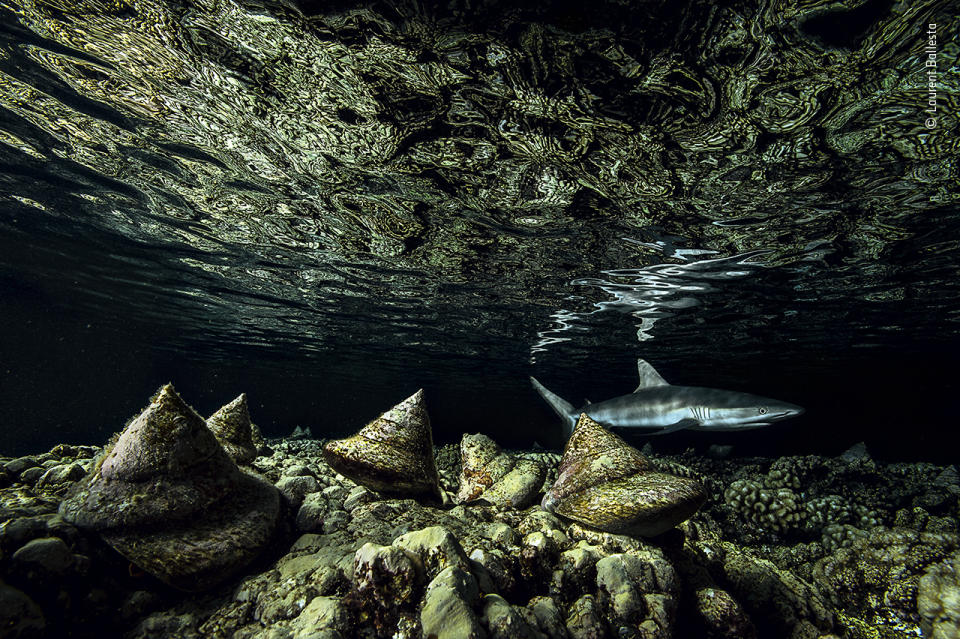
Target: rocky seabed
x=855 y=549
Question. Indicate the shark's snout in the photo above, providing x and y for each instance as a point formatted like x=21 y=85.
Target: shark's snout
x=785 y=410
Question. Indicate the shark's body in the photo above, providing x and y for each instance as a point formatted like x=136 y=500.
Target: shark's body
x=660 y=408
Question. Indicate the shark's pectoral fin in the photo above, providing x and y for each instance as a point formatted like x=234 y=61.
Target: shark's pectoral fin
x=648 y=376
x=672 y=428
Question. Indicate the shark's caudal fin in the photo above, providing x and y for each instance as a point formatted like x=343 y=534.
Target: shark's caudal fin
x=559 y=405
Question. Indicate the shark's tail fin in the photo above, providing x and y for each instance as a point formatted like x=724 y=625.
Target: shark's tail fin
x=559 y=405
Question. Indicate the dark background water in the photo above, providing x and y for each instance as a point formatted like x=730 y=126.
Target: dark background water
x=330 y=207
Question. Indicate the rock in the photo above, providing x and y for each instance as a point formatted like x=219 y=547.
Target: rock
x=20 y=617
x=60 y=474
x=310 y=515
x=300 y=433
x=16 y=532
x=947 y=479
x=499 y=478
x=232 y=428
x=20 y=464
x=167 y=624
x=335 y=492
x=389 y=581
x=938 y=599
x=335 y=520
x=539 y=520
x=622 y=577
x=577 y=570
x=503 y=621
x=322 y=613
x=48 y=557
x=139 y=603
x=778 y=602
x=722 y=615
x=447 y=611
x=168 y=497
x=357 y=497
x=496 y=568
x=437 y=548
x=642 y=592
x=585 y=621
x=31 y=475
x=298 y=470
x=392 y=454
x=500 y=533
x=856 y=453
x=609 y=485
x=548 y=616
x=294 y=489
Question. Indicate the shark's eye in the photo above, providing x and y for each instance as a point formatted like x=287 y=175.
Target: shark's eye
x=763 y=411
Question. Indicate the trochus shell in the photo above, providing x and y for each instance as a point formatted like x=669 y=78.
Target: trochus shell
x=169 y=499
x=393 y=454
x=607 y=484
x=232 y=427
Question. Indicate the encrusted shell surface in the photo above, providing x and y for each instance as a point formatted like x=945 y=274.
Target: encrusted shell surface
x=232 y=427
x=170 y=499
x=393 y=454
x=500 y=478
x=607 y=484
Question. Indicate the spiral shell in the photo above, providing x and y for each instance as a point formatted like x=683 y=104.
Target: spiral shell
x=232 y=427
x=607 y=484
x=169 y=498
x=393 y=454
x=497 y=477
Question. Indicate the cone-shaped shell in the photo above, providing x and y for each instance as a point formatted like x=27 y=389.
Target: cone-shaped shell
x=206 y=549
x=170 y=499
x=607 y=484
x=165 y=464
x=232 y=428
x=393 y=454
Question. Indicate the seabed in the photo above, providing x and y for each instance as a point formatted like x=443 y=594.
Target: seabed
x=790 y=547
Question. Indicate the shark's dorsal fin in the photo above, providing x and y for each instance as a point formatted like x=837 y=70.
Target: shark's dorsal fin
x=588 y=402
x=648 y=376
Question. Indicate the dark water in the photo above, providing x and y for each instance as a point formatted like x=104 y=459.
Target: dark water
x=329 y=205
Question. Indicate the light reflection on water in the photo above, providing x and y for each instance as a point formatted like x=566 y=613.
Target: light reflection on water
x=649 y=294
x=394 y=185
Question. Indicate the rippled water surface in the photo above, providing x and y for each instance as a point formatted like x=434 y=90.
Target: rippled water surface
x=328 y=203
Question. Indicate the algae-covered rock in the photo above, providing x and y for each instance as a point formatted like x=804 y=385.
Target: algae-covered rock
x=497 y=477
x=722 y=615
x=585 y=619
x=322 y=613
x=437 y=548
x=447 y=611
x=778 y=602
x=388 y=583
x=877 y=576
x=503 y=621
x=170 y=499
x=938 y=599
x=47 y=557
x=640 y=592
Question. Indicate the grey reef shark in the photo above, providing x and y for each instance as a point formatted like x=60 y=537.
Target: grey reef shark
x=660 y=408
